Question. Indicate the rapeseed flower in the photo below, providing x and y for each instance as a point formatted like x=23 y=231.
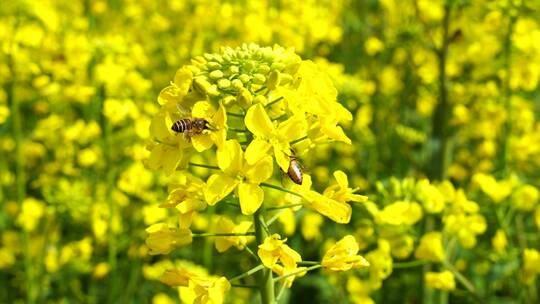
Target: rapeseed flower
x=431 y=247
x=225 y=225
x=237 y=173
x=274 y=250
x=201 y=289
x=440 y=280
x=342 y=256
x=162 y=239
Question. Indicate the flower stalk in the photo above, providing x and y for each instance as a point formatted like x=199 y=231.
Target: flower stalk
x=266 y=281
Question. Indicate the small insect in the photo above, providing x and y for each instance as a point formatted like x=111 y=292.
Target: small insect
x=295 y=171
x=190 y=126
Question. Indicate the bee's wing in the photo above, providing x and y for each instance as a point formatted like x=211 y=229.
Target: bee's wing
x=184 y=111
x=187 y=135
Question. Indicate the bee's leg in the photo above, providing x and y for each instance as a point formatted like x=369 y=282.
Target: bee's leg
x=187 y=136
x=207 y=126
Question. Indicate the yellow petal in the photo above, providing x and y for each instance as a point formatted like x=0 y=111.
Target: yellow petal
x=171 y=158
x=335 y=132
x=342 y=179
x=339 y=212
x=251 y=197
x=282 y=158
x=256 y=150
x=261 y=171
x=219 y=137
x=169 y=97
x=202 y=109
x=230 y=157
x=220 y=117
x=154 y=160
x=342 y=113
x=158 y=126
x=219 y=185
x=163 y=239
x=258 y=122
x=176 y=277
x=293 y=128
x=183 y=79
x=202 y=142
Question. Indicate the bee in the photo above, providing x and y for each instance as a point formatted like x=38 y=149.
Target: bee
x=190 y=126
x=295 y=170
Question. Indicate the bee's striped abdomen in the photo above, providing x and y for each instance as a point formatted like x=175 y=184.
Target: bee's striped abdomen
x=182 y=125
x=294 y=172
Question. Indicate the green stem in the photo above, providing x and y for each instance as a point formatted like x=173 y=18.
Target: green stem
x=238 y=130
x=298 y=140
x=297 y=272
x=256 y=257
x=247 y=273
x=439 y=133
x=274 y=218
x=439 y=156
x=204 y=166
x=260 y=89
x=110 y=184
x=266 y=282
x=245 y=286
x=273 y=102
x=281 y=189
x=235 y=114
x=232 y=204
x=522 y=243
x=209 y=234
x=507 y=126
x=281 y=210
x=285 y=206
x=20 y=178
x=461 y=278
x=409 y=264
x=281 y=291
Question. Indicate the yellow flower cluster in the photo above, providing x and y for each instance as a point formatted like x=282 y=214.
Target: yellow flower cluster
x=244 y=109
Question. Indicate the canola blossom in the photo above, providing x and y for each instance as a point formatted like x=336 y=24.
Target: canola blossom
x=258 y=104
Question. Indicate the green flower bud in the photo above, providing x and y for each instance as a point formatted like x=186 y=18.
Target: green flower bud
x=237 y=84
x=273 y=79
x=213 y=90
x=234 y=69
x=244 y=78
x=224 y=83
x=285 y=78
x=267 y=54
x=228 y=99
x=208 y=56
x=199 y=60
x=201 y=84
x=277 y=66
x=249 y=66
x=263 y=69
x=218 y=58
x=214 y=65
x=260 y=99
x=259 y=78
x=244 y=98
x=194 y=69
x=217 y=74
